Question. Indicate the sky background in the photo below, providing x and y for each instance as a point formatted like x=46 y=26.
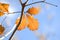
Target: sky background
x=49 y=19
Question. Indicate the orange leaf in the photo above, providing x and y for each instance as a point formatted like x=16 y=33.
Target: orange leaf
x=33 y=10
x=1 y=29
x=23 y=23
x=1 y=13
x=32 y=23
x=4 y=7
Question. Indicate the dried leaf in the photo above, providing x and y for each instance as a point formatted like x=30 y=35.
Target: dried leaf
x=33 y=10
x=23 y=23
x=1 y=13
x=32 y=23
x=1 y=29
x=4 y=7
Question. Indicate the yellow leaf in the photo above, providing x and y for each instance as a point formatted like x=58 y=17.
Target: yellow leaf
x=4 y=7
x=32 y=23
x=23 y=23
x=33 y=10
x=1 y=29
x=1 y=13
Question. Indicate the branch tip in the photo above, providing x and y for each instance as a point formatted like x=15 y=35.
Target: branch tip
x=20 y=2
x=42 y=2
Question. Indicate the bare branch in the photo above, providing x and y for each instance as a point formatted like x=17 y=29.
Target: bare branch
x=26 y=2
x=4 y=19
x=42 y=2
x=15 y=12
x=22 y=12
x=18 y=12
x=17 y=24
x=50 y=4
x=20 y=2
x=34 y=3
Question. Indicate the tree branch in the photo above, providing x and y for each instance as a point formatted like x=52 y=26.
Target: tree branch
x=3 y=19
x=42 y=2
x=26 y=2
x=17 y=24
x=20 y=2
x=34 y=3
x=50 y=4
x=22 y=12
x=18 y=12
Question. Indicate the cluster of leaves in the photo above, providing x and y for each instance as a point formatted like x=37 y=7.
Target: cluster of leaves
x=24 y=21
x=3 y=8
x=28 y=20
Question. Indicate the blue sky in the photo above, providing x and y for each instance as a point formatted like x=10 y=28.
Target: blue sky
x=48 y=27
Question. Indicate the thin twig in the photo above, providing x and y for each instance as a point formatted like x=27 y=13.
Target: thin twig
x=26 y=2
x=42 y=2
x=34 y=3
x=4 y=19
x=3 y=7
x=50 y=4
x=20 y=2
x=18 y=12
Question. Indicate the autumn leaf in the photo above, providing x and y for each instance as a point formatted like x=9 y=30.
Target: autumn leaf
x=32 y=23
x=4 y=7
x=1 y=29
x=1 y=13
x=23 y=23
x=33 y=10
